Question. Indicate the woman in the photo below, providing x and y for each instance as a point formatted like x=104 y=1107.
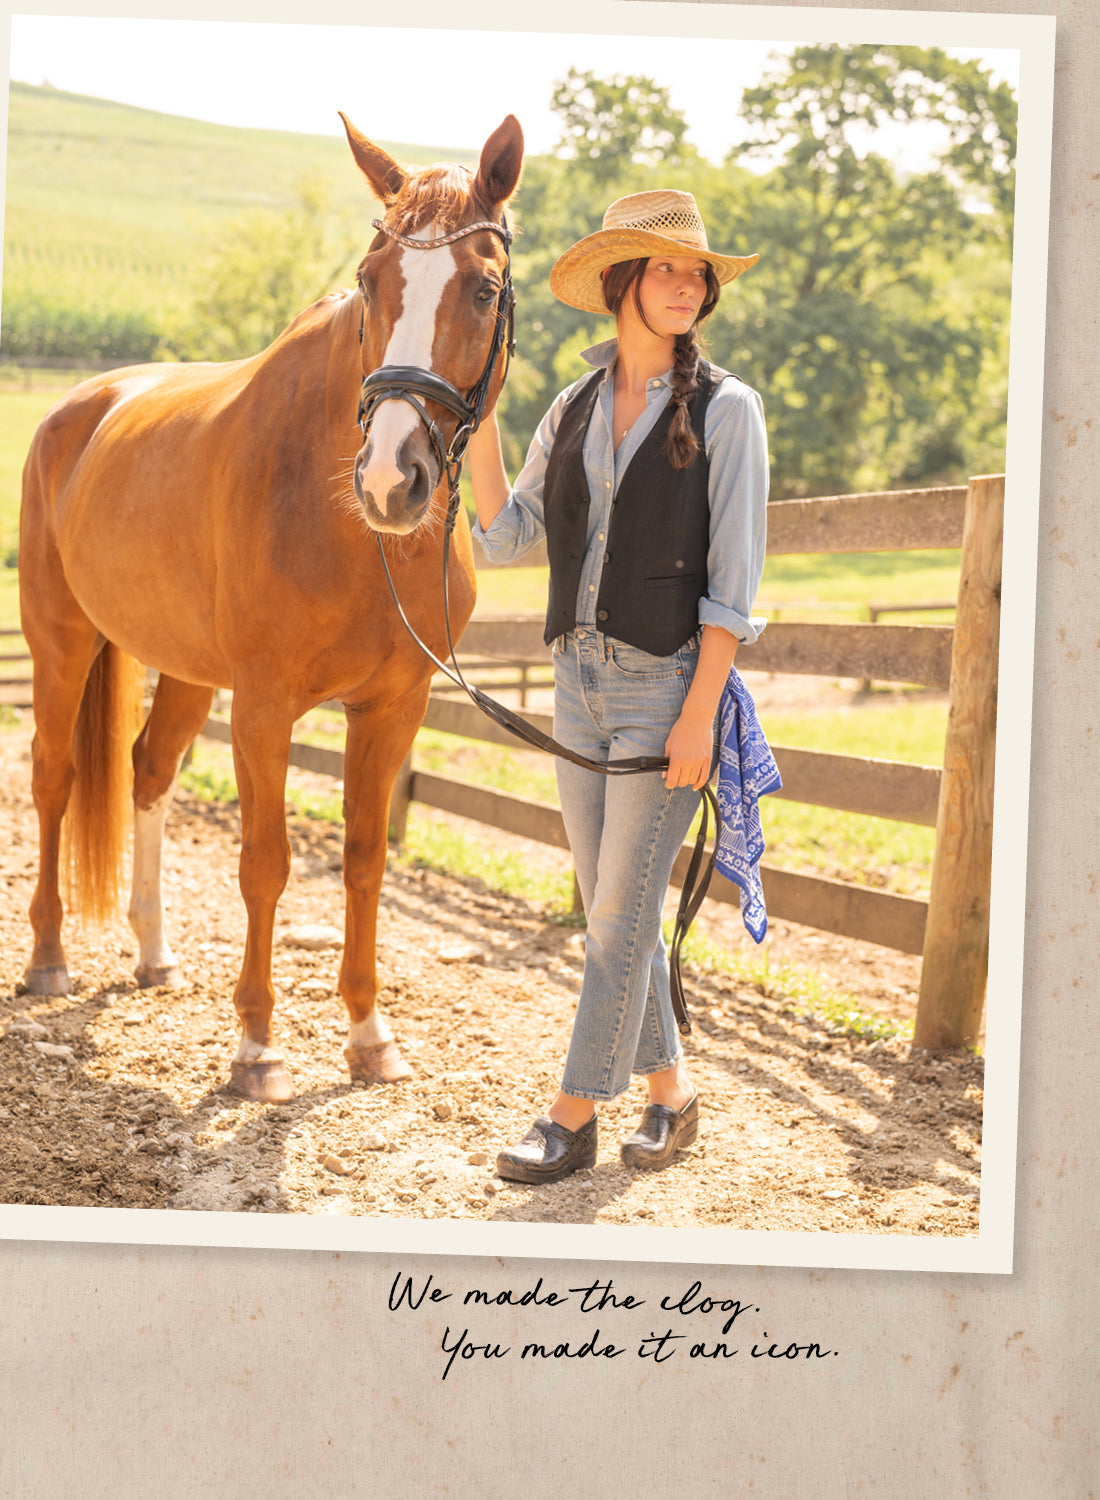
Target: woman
x=649 y=479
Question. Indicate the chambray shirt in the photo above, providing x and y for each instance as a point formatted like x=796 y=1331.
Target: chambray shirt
x=737 y=452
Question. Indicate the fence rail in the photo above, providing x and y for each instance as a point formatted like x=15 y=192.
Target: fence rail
x=888 y=521
x=951 y=929
x=872 y=916
x=68 y=363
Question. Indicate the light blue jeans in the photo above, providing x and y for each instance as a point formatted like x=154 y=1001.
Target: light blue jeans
x=613 y=701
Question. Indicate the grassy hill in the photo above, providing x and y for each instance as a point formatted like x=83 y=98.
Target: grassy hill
x=109 y=205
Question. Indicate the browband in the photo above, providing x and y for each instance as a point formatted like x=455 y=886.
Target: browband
x=444 y=239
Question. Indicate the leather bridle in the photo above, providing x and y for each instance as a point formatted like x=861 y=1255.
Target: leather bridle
x=414 y=385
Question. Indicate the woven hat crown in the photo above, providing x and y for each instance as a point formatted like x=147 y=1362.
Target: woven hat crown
x=666 y=212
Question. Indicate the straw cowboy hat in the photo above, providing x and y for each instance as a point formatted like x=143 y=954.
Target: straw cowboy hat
x=662 y=222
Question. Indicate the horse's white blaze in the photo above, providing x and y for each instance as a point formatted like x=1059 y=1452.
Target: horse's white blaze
x=426 y=273
x=146 y=906
x=370 y=1033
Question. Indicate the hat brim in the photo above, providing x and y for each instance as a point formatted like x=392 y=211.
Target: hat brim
x=575 y=278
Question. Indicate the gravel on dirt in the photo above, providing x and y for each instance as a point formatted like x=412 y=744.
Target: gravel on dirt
x=115 y=1096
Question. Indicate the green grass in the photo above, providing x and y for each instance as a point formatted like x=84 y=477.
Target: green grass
x=803 y=990
x=912 y=731
x=327 y=809
x=863 y=578
x=873 y=852
x=436 y=846
x=206 y=778
x=520 y=773
x=512 y=591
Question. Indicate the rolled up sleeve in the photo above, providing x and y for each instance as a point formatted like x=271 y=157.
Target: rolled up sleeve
x=737 y=452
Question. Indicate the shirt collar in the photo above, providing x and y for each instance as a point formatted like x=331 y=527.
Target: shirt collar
x=603 y=356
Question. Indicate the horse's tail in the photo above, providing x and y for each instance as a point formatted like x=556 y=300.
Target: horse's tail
x=99 y=813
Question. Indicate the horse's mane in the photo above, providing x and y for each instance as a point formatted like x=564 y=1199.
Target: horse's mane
x=439 y=195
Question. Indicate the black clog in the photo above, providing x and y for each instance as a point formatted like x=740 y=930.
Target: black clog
x=660 y=1134
x=549 y=1152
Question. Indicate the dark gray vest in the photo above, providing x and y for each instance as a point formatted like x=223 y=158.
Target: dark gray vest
x=655 y=565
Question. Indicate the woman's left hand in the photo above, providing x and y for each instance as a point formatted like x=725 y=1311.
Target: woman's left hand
x=689 y=748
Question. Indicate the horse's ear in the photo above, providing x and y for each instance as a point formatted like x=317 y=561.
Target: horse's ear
x=385 y=176
x=501 y=162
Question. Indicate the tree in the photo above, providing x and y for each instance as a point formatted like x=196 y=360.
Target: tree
x=876 y=322
x=831 y=98
x=609 y=123
x=851 y=324
x=265 y=268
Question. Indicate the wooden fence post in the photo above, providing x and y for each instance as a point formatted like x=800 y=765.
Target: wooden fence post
x=956 y=942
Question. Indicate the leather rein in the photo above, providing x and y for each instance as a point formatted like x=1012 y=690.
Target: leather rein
x=414 y=385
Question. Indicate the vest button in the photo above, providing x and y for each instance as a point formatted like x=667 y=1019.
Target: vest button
x=607 y=557
x=601 y=614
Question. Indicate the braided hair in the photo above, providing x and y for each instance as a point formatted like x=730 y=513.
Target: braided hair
x=626 y=276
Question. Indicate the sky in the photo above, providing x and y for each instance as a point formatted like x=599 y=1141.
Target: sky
x=285 y=77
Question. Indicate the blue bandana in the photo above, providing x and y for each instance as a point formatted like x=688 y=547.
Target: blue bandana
x=746 y=771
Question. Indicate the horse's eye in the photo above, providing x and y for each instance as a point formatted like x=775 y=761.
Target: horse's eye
x=488 y=291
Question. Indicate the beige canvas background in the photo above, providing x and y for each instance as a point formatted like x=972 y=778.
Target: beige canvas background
x=195 y=1371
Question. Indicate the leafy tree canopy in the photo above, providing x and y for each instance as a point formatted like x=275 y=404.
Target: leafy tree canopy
x=819 y=104
x=608 y=124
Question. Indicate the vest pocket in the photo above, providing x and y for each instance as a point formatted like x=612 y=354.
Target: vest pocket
x=673 y=580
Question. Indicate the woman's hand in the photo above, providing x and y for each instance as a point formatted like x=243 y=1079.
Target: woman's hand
x=690 y=748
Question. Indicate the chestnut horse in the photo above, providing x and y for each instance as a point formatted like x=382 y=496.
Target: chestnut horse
x=214 y=522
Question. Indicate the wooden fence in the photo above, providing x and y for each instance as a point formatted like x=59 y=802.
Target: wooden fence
x=951 y=929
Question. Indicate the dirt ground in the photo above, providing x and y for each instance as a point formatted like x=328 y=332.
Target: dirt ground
x=116 y=1097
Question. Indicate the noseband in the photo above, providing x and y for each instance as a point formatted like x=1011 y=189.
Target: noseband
x=414 y=385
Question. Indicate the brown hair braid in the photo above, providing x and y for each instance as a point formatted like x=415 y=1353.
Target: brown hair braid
x=682 y=445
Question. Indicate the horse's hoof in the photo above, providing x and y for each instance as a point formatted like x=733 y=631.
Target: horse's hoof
x=380 y=1064
x=158 y=976
x=262 y=1082
x=48 y=981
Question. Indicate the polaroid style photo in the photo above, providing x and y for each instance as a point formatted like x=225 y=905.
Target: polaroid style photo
x=282 y=968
